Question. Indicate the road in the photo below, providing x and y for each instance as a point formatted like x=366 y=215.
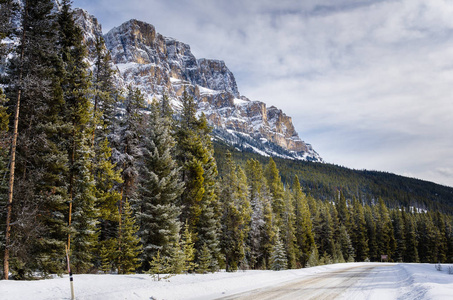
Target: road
x=330 y=285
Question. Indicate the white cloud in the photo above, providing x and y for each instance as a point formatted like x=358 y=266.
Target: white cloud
x=368 y=84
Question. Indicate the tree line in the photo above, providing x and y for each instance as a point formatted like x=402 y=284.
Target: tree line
x=122 y=185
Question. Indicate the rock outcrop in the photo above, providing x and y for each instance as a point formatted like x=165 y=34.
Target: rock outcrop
x=157 y=65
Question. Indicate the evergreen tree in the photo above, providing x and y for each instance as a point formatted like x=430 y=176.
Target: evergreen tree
x=303 y=225
x=289 y=233
x=236 y=215
x=345 y=246
x=427 y=238
x=278 y=258
x=277 y=191
x=313 y=259
x=400 y=234
x=371 y=233
x=8 y=10
x=159 y=265
x=105 y=173
x=127 y=149
x=83 y=213
x=324 y=229
x=204 y=260
x=160 y=187
x=384 y=230
x=199 y=202
x=411 y=252
x=177 y=258
x=38 y=127
x=188 y=248
x=262 y=229
x=128 y=254
x=359 y=231
x=343 y=211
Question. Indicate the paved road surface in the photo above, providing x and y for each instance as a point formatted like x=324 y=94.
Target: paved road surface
x=322 y=286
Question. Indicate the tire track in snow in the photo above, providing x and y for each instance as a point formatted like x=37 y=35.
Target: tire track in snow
x=322 y=286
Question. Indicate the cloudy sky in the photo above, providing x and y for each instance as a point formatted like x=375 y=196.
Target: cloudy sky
x=368 y=83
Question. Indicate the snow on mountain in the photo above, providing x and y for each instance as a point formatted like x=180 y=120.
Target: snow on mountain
x=157 y=65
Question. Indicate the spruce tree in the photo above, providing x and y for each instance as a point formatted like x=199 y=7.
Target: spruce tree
x=158 y=214
x=278 y=259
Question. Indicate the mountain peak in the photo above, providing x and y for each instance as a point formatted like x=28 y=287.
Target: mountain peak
x=160 y=65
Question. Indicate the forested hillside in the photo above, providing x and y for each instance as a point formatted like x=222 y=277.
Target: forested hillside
x=323 y=180
x=98 y=179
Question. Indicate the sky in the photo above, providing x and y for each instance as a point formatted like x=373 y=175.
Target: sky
x=368 y=83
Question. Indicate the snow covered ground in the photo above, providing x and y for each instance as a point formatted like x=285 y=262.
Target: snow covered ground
x=385 y=281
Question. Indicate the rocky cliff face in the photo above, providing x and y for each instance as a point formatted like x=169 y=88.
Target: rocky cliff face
x=158 y=65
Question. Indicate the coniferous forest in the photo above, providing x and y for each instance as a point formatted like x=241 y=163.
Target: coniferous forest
x=100 y=177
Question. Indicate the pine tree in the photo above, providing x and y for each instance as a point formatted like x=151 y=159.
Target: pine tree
x=303 y=225
x=160 y=187
x=128 y=256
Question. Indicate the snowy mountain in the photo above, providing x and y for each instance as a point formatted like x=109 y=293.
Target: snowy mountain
x=157 y=65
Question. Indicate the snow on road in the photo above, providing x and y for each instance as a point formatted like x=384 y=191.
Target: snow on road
x=339 y=281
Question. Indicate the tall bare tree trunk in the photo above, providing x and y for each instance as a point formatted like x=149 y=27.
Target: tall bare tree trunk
x=13 y=153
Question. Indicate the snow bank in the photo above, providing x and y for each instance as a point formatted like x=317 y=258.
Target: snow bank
x=404 y=281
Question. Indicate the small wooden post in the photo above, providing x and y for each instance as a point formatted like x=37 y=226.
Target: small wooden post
x=71 y=280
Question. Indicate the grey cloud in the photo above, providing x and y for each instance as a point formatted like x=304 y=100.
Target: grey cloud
x=349 y=74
